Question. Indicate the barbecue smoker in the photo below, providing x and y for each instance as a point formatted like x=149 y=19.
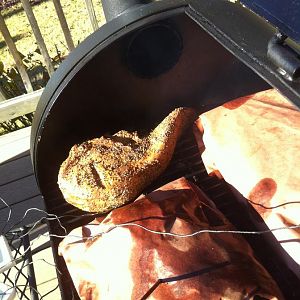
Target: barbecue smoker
x=149 y=58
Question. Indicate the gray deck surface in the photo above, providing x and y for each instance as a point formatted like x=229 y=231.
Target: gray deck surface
x=18 y=187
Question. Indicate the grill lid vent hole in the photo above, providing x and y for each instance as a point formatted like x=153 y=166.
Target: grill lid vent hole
x=154 y=50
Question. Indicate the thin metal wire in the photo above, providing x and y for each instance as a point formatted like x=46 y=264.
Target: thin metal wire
x=19 y=256
x=37 y=222
x=55 y=217
x=43 y=260
x=51 y=217
x=51 y=291
x=47 y=214
x=29 y=248
x=17 y=287
x=275 y=206
x=21 y=292
x=8 y=216
x=10 y=287
x=178 y=235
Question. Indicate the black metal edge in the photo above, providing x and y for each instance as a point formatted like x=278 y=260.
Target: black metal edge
x=243 y=33
x=90 y=47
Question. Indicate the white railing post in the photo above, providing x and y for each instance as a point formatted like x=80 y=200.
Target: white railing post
x=38 y=36
x=63 y=24
x=14 y=52
x=92 y=15
x=2 y=95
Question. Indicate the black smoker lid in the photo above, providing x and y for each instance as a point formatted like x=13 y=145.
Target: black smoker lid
x=239 y=30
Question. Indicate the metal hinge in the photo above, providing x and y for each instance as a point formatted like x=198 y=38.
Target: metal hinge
x=284 y=57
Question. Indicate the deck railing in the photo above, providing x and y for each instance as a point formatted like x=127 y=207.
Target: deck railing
x=39 y=38
x=26 y=104
x=19 y=106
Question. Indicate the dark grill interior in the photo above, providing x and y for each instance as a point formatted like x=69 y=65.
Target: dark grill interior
x=187 y=162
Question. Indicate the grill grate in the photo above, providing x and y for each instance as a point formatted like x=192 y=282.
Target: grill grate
x=185 y=162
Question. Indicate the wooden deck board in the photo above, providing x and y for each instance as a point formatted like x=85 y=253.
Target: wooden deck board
x=18 y=186
x=19 y=190
x=12 y=144
x=15 y=169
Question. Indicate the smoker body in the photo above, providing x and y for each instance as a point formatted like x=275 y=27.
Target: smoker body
x=149 y=59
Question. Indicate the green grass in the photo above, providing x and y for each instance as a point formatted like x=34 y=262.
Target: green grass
x=19 y=27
